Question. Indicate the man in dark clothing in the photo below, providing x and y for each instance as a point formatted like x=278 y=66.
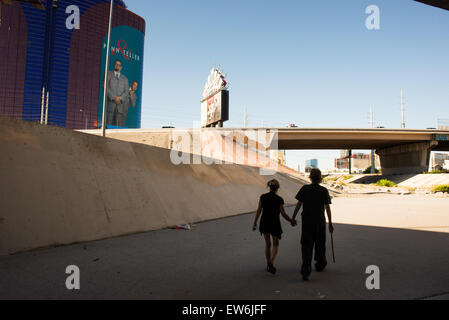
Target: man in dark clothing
x=315 y=199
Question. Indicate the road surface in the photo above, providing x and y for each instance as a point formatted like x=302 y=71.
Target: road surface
x=224 y=260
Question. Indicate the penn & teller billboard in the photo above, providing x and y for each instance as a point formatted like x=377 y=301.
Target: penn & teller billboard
x=215 y=103
x=124 y=80
x=215 y=109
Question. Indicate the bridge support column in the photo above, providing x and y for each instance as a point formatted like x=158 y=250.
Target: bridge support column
x=408 y=158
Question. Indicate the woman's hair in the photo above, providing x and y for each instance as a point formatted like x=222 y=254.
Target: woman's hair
x=273 y=185
x=315 y=176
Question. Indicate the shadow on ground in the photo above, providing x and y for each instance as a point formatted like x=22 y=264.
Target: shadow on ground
x=223 y=259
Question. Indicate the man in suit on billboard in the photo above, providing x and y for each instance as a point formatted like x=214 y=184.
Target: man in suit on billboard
x=118 y=94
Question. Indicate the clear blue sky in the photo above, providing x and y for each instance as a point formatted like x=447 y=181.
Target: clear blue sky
x=313 y=63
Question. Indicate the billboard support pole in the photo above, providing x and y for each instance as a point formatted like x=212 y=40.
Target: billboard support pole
x=103 y=122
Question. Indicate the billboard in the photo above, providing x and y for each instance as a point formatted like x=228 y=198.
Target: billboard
x=124 y=82
x=215 y=109
x=215 y=102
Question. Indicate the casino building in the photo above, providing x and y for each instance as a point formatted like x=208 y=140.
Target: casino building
x=41 y=56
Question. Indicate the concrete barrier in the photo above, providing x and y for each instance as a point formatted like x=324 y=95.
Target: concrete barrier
x=61 y=187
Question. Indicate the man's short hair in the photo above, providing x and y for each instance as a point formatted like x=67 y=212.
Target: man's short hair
x=134 y=81
x=118 y=60
x=315 y=176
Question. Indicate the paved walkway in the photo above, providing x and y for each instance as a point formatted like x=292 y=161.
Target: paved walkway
x=223 y=259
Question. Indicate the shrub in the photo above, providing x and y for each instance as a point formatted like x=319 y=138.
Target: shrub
x=368 y=171
x=443 y=188
x=437 y=171
x=386 y=183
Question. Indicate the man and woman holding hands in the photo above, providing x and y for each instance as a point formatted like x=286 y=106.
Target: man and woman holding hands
x=315 y=200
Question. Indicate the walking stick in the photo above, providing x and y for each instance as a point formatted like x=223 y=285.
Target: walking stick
x=332 y=241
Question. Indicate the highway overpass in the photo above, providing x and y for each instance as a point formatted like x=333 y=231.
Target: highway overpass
x=400 y=151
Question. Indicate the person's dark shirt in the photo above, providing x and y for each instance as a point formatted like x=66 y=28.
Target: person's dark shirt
x=271 y=205
x=314 y=198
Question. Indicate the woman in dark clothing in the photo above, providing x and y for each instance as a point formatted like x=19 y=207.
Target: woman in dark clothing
x=271 y=206
x=315 y=199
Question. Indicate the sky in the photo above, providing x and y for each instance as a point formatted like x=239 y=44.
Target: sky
x=311 y=63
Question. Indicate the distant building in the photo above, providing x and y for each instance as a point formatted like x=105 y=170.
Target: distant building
x=359 y=161
x=437 y=160
x=342 y=163
x=344 y=154
x=311 y=164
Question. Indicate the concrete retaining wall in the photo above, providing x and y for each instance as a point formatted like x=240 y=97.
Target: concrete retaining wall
x=60 y=187
x=209 y=142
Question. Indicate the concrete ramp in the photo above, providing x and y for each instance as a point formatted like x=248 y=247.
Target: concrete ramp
x=60 y=187
x=418 y=181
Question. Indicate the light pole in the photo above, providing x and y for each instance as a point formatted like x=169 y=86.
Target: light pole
x=373 y=161
x=46 y=110
x=103 y=123
x=350 y=164
x=84 y=117
x=43 y=105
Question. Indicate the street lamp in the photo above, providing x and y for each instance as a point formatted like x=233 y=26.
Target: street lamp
x=84 y=116
x=103 y=123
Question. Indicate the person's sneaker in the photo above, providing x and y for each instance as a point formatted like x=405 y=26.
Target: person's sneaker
x=306 y=271
x=319 y=267
x=305 y=278
x=271 y=268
